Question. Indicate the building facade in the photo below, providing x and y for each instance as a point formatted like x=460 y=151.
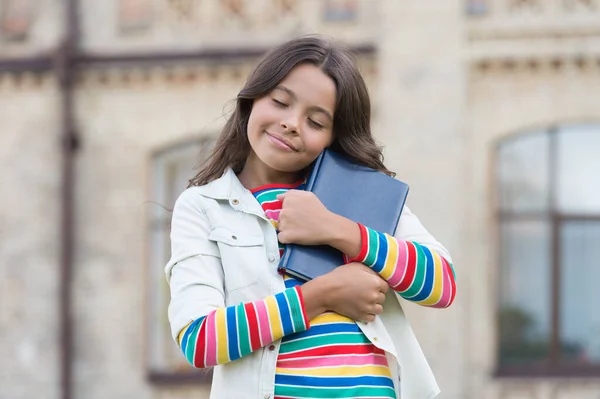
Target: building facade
x=489 y=109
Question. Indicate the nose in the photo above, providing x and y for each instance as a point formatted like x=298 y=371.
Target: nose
x=291 y=123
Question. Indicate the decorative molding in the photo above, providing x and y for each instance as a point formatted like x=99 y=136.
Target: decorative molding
x=494 y=9
x=340 y=10
x=534 y=65
x=576 y=5
x=490 y=20
x=16 y=17
x=25 y=81
x=135 y=16
x=504 y=34
x=477 y=7
x=176 y=75
x=184 y=10
x=284 y=10
x=235 y=15
x=524 y=6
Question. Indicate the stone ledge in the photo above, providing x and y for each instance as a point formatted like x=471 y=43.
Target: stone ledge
x=178 y=75
x=534 y=64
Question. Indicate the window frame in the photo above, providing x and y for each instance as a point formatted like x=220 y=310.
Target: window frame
x=164 y=375
x=552 y=366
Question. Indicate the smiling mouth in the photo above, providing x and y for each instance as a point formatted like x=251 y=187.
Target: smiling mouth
x=281 y=142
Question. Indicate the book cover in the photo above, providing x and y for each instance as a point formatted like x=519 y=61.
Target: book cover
x=356 y=192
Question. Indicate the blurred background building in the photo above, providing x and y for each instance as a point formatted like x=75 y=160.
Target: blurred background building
x=489 y=109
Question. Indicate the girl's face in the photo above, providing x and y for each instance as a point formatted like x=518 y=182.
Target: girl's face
x=289 y=127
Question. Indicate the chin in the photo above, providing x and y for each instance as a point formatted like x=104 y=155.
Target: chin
x=282 y=163
x=284 y=167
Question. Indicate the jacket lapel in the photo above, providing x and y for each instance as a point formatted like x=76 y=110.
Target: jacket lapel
x=228 y=188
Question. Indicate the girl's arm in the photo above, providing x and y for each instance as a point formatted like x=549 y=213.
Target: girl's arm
x=226 y=334
x=413 y=263
x=208 y=332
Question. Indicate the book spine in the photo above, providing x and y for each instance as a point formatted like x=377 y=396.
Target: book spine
x=310 y=183
x=400 y=213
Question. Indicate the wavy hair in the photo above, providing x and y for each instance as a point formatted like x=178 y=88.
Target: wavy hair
x=352 y=117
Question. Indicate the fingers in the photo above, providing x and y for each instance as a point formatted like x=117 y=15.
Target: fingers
x=384 y=287
x=373 y=313
x=369 y=318
x=380 y=284
x=289 y=194
x=363 y=268
x=282 y=237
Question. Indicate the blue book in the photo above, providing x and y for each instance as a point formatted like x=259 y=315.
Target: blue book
x=356 y=192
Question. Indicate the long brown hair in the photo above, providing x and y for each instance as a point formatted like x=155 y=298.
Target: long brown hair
x=352 y=117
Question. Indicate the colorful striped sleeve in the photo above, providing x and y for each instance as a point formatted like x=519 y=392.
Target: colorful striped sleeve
x=414 y=271
x=227 y=334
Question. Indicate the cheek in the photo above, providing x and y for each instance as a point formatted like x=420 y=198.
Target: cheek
x=254 y=128
x=258 y=114
x=318 y=141
x=251 y=128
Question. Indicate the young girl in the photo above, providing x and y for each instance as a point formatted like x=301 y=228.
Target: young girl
x=341 y=335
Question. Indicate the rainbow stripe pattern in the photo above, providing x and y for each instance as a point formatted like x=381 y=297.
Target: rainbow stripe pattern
x=267 y=198
x=332 y=359
x=226 y=334
x=414 y=271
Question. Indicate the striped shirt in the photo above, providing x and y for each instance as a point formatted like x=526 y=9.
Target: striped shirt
x=331 y=359
x=226 y=334
x=414 y=271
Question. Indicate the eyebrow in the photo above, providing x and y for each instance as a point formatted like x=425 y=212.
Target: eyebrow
x=315 y=107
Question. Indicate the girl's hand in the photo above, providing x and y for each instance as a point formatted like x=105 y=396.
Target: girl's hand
x=352 y=290
x=304 y=219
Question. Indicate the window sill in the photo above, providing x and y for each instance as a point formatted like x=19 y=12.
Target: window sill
x=194 y=377
x=548 y=371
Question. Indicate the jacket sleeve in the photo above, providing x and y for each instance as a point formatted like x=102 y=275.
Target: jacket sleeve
x=413 y=262
x=208 y=332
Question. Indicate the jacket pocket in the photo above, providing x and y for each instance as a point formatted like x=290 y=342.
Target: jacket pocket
x=241 y=255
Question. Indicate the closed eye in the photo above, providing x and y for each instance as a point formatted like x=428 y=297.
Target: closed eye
x=316 y=124
x=279 y=103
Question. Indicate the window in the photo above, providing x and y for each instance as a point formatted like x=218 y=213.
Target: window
x=340 y=10
x=135 y=15
x=15 y=19
x=549 y=216
x=172 y=168
x=477 y=7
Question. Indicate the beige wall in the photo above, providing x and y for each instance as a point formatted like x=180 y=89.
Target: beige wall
x=422 y=104
x=30 y=181
x=445 y=88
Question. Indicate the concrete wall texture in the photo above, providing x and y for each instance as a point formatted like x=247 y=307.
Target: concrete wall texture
x=448 y=81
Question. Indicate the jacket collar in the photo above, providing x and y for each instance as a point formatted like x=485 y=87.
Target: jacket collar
x=229 y=188
x=226 y=187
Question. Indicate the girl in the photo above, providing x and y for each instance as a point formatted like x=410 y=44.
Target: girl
x=341 y=335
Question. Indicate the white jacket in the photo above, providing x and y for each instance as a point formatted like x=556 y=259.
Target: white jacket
x=225 y=252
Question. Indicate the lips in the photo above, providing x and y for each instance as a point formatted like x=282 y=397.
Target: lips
x=281 y=142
